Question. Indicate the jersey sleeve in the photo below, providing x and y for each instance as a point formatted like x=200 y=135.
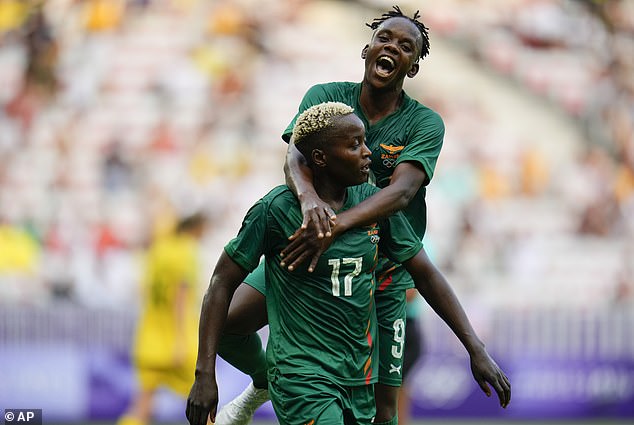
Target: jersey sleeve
x=398 y=240
x=425 y=143
x=314 y=96
x=249 y=244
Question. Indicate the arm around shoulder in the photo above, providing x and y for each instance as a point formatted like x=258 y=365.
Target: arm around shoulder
x=406 y=180
x=299 y=178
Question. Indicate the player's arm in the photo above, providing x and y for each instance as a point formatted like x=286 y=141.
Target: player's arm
x=299 y=178
x=406 y=180
x=203 y=397
x=317 y=215
x=433 y=286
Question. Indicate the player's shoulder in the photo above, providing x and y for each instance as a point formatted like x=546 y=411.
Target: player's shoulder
x=423 y=111
x=333 y=87
x=279 y=196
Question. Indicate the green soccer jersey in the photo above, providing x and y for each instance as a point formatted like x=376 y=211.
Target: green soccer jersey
x=412 y=133
x=322 y=322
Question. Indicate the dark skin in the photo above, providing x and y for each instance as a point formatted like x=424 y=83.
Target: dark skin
x=431 y=284
x=380 y=96
x=203 y=397
x=344 y=163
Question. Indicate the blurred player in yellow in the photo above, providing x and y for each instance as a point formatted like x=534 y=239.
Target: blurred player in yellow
x=166 y=340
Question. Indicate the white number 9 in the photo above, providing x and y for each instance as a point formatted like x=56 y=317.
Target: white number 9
x=399 y=338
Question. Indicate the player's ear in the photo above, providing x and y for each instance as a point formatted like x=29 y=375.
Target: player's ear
x=364 y=52
x=319 y=157
x=413 y=70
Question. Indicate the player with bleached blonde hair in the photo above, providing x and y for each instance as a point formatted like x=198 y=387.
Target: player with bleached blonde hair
x=405 y=137
x=321 y=355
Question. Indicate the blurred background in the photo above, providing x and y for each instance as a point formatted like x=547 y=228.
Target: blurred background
x=119 y=117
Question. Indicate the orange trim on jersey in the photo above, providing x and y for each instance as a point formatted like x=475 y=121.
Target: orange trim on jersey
x=367 y=369
x=376 y=258
x=386 y=282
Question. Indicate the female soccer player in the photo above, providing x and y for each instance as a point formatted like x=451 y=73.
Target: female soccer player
x=405 y=138
x=321 y=352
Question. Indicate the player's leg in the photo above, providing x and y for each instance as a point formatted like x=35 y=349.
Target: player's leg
x=241 y=347
x=361 y=408
x=247 y=311
x=240 y=344
x=386 y=399
x=391 y=314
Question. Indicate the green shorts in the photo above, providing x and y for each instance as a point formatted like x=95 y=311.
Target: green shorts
x=391 y=312
x=315 y=400
x=256 y=279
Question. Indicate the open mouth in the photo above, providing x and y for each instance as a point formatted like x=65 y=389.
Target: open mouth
x=385 y=65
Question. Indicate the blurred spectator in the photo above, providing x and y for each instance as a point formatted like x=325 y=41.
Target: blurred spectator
x=19 y=266
x=12 y=15
x=624 y=179
x=19 y=251
x=195 y=94
x=601 y=217
x=534 y=174
x=24 y=107
x=601 y=213
x=117 y=172
x=183 y=89
x=103 y=15
x=42 y=51
x=493 y=184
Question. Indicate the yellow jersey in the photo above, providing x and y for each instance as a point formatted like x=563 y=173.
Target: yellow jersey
x=171 y=268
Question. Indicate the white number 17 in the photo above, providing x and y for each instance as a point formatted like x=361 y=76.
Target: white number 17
x=347 y=280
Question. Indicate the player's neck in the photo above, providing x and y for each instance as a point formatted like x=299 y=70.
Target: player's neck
x=331 y=192
x=379 y=103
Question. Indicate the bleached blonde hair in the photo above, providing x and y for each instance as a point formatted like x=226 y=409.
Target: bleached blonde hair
x=317 y=118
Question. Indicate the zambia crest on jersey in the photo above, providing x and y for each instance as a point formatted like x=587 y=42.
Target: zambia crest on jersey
x=389 y=154
x=373 y=233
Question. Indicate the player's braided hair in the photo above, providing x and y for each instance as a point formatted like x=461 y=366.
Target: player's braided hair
x=424 y=31
x=317 y=118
